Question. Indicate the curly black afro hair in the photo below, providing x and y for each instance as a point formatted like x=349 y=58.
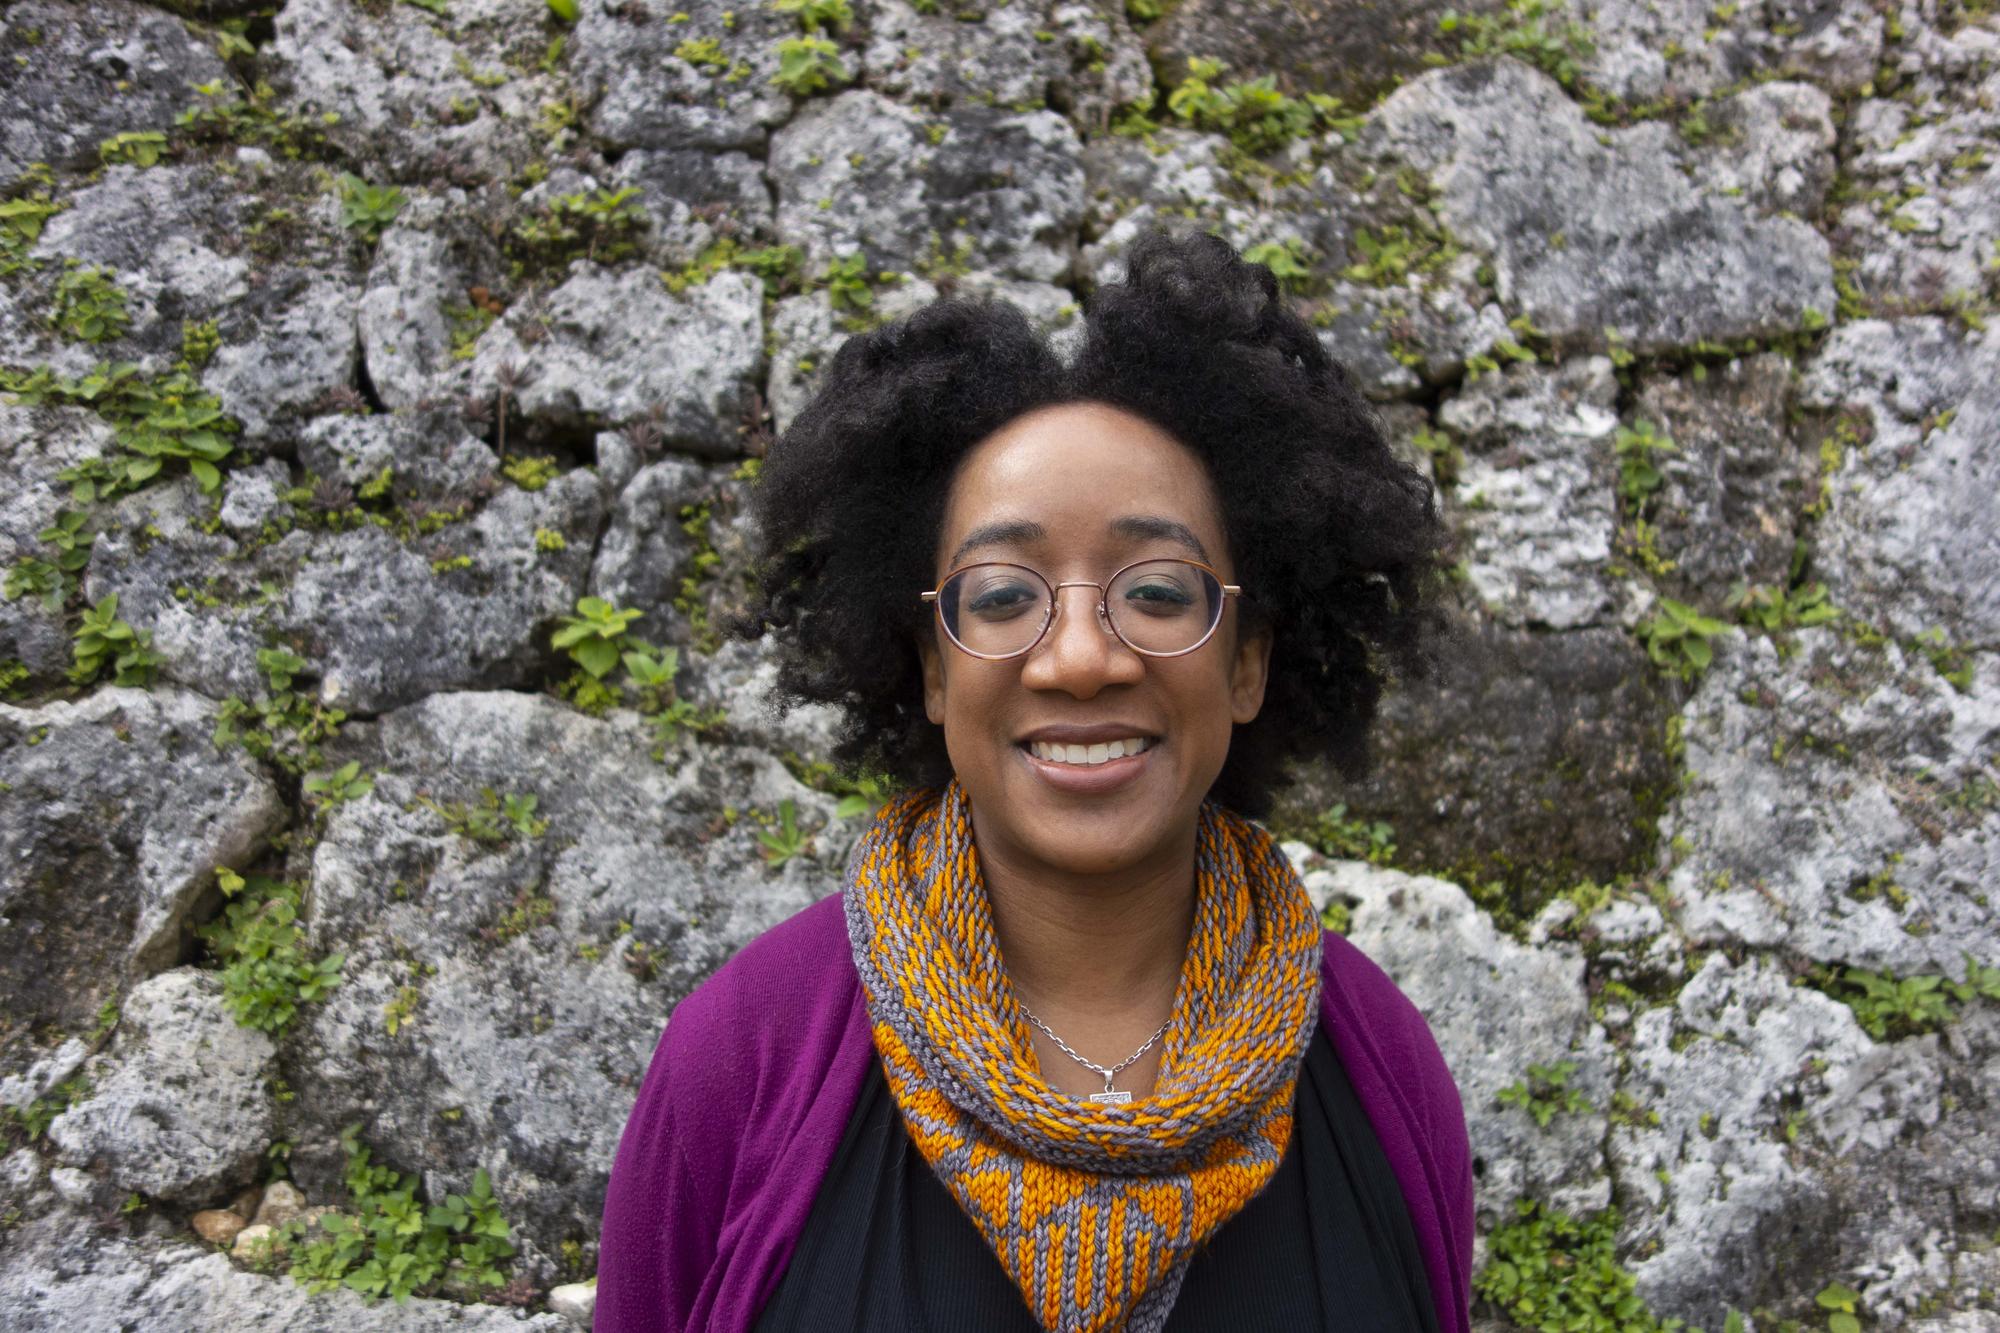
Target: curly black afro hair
x=1338 y=538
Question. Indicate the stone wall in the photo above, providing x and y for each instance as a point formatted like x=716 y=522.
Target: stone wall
x=353 y=346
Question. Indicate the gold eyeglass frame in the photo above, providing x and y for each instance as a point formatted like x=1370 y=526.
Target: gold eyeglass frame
x=1103 y=608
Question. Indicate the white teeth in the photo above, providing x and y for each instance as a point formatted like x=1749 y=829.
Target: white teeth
x=1088 y=755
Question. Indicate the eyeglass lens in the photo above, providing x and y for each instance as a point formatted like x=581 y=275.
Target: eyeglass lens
x=1161 y=606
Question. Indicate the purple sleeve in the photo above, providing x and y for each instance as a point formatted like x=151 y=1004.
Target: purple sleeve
x=661 y=1220
x=1403 y=1084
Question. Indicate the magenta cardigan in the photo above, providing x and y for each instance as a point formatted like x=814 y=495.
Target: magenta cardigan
x=752 y=1084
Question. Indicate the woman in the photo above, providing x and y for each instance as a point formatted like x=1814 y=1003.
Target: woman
x=1069 y=1049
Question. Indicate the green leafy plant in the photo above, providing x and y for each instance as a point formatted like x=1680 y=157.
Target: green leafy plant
x=1890 y=1006
x=813 y=15
x=563 y=9
x=1637 y=446
x=1553 y=1273
x=601 y=225
x=1288 y=261
x=342 y=785
x=1677 y=639
x=266 y=972
x=153 y=420
x=26 y=1124
x=284 y=727
x=141 y=148
x=493 y=819
x=89 y=307
x=1257 y=117
x=595 y=635
x=1340 y=835
x=394 y=1245
x=368 y=208
x=860 y=793
x=1774 y=610
x=229 y=113
x=103 y=638
x=1844 y=1306
x=1545 y=1093
x=53 y=581
x=21 y=222
x=786 y=840
x=1540 y=32
x=807 y=65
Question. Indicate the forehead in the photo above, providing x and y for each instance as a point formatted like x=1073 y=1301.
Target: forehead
x=1076 y=470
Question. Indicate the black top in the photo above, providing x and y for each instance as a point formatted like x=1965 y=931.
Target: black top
x=1326 y=1244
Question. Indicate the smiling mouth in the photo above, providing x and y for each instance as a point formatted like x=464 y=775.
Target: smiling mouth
x=1088 y=756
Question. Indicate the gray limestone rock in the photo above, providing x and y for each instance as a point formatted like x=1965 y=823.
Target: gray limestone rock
x=101 y=869
x=610 y=345
x=1911 y=540
x=1652 y=257
x=78 y=76
x=1496 y=1007
x=1831 y=806
x=178 y=1108
x=59 y=1275
x=536 y=971
x=1646 y=49
x=1537 y=491
x=678 y=75
x=1734 y=488
x=994 y=189
x=443 y=95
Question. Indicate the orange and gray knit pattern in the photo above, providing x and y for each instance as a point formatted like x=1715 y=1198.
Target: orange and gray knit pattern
x=1092 y=1209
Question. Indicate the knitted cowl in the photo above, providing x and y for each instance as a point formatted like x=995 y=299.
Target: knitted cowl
x=1092 y=1209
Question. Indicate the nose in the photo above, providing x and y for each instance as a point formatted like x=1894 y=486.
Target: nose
x=1080 y=654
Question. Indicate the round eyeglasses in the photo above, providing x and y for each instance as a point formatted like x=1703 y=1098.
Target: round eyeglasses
x=1159 y=608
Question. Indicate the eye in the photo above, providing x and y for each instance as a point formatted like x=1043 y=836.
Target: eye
x=1159 y=594
x=1001 y=599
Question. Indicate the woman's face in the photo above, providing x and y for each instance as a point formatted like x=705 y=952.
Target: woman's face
x=1076 y=492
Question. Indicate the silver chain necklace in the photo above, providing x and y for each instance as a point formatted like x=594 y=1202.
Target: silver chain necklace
x=1107 y=1097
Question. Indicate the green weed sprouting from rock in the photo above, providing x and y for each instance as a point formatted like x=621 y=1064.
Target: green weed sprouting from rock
x=89 y=307
x=1288 y=261
x=393 y=1244
x=21 y=222
x=266 y=972
x=1677 y=639
x=1775 y=610
x=141 y=148
x=1889 y=1006
x=1545 y=1092
x=286 y=727
x=784 y=839
x=342 y=785
x=1257 y=117
x=54 y=580
x=651 y=672
x=563 y=9
x=813 y=15
x=495 y=819
x=1337 y=834
x=1843 y=1304
x=152 y=420
x=859 y=793
x=366 y=208
x=696 y=521
x=103 y=638
x=26 y=1124
x=807 y=65
x=1540 y=32
x=594 y=637
x=1553 y=1273
x=1637 y=446
x=601 y=225
x=250 y=119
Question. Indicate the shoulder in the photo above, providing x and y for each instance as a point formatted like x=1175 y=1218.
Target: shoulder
x=765 y=1022
x=1378 y=1025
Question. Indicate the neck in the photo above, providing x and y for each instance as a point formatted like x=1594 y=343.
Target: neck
x=1100 y=948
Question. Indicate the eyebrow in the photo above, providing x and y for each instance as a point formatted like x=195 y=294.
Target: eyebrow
x=1019 y=531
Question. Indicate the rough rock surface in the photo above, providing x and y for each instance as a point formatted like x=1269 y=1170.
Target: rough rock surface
x=1670 y=899
x=178 y=1109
